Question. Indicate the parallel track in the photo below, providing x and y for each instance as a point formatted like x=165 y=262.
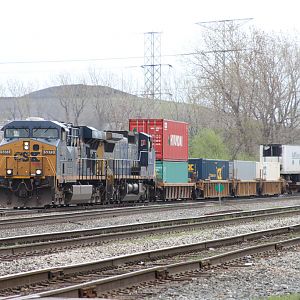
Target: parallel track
x=99 y=277
x=92 y=214
x=29 y=245
x=78 y=213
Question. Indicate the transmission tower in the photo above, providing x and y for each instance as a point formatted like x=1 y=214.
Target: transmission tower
x=226 y=29
x=152 y=65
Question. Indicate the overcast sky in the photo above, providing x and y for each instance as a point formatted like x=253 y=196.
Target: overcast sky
x=51 y=30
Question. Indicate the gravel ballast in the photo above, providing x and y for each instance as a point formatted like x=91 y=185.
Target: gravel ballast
x=148 y=217
x=274 y=275
x=122 y=247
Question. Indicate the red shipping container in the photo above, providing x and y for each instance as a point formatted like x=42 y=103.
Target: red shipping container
x=170 y=138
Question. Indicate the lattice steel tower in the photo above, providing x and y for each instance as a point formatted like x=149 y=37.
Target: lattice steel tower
x=152 y=65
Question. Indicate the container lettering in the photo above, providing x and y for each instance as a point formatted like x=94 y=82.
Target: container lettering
x=176 y=140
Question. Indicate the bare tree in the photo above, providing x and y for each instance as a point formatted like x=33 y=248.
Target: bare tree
x=251 y=80
x=72 y=97
x=20 y=103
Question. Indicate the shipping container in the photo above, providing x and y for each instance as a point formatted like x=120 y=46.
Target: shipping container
x=172 y=171
x=242 y=170
x=269 y=170
x=170 y=138
x=287 y=155
x=213 y=169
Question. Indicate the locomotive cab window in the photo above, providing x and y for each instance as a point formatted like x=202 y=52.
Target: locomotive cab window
x=46 y=133
x=16 y=133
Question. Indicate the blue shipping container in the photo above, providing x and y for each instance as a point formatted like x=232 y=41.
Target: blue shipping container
x=214 y=169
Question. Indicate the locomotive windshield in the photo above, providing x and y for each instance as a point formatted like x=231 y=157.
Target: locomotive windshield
x=48 y=133
x=17 y=132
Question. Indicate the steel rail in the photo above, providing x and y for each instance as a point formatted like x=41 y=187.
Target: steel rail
x=70 y=217
x=114 y=232
x=46 y=275
x=62 y=240
x=95 y=287
x=89 y=212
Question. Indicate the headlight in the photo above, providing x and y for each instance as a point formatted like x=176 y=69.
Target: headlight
x=9 y=172
x=38 y=172
x=26 y=145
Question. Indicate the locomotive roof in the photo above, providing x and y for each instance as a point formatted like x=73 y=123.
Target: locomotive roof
x=34 y=124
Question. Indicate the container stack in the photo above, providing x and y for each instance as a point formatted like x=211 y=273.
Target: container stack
x=170 y=141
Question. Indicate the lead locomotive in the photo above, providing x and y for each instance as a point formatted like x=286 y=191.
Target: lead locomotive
x=46 y=163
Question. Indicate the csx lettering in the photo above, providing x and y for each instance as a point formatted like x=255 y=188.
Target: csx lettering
x=24 y=156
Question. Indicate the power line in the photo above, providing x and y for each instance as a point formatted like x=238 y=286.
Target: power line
x=109 y=58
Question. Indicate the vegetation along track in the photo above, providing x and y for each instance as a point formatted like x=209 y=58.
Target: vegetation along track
x=37 y=244
x=99 y=277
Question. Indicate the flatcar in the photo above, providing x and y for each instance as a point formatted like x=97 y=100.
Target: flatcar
x=46 y=163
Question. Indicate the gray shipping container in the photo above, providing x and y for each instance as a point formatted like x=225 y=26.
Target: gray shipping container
x=242 y=170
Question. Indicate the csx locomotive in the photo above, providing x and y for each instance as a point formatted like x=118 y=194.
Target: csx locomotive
x=46 y=163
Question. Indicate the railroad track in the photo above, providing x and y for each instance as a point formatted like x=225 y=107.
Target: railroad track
x=80 y=213
x=87 y=215
x=100 y=277
x=38 y=244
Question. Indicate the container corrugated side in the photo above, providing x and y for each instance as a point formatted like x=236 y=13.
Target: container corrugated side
x=170 y=138
x=243 y=170
x=172 y=171
x=204 y=169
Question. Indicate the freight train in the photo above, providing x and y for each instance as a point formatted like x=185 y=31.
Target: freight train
x=49 y=163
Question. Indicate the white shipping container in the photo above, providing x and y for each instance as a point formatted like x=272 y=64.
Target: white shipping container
x=242 y=170
x=290 y=160
x=271 y=170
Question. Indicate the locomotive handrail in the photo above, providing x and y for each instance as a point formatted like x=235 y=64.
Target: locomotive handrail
x=117 y=164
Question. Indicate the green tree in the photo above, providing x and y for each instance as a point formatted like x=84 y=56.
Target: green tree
x=208 y=144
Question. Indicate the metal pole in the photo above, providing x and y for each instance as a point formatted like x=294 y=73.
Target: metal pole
x=219 y=189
